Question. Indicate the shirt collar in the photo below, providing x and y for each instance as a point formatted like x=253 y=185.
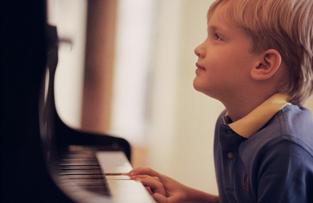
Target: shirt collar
x=257 y=118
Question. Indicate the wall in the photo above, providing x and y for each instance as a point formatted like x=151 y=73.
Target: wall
x=132 y=68
x=182 y=122
x=70 y=18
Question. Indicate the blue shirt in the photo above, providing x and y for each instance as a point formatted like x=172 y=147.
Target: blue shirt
x=275 y=164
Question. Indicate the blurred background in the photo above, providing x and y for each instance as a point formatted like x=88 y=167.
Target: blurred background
x=126 y=68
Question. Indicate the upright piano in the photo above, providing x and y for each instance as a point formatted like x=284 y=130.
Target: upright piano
x=43 y=159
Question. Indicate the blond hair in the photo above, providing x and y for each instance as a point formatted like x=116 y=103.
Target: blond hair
x=284 y=25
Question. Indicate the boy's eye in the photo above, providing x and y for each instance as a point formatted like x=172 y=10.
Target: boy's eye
x=217 y=36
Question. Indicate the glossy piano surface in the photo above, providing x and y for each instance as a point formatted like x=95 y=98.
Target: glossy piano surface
x=38 y=162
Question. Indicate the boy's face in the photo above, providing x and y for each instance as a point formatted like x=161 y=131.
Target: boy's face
x=224 y=58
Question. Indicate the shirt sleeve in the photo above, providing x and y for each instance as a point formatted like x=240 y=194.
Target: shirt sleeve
x=285 y=174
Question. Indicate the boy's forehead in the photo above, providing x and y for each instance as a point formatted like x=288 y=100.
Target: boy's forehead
x=220 y=12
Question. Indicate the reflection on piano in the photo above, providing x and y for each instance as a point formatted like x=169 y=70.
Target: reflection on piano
x=42 y=159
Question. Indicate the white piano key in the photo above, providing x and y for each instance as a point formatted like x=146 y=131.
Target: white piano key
x=129 y=191
x=113 y=162
x=122 y=188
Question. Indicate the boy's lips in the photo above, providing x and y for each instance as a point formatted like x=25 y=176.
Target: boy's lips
x=200 y=66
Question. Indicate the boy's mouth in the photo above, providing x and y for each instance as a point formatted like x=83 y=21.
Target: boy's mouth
x=200 y=67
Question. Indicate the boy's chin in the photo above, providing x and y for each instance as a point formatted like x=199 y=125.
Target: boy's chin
x=199 y=86
x=200 y=89
x=205 y=90
x=196 y=85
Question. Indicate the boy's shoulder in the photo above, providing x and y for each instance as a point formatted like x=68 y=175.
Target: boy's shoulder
x=296 y=122
x=292 y=126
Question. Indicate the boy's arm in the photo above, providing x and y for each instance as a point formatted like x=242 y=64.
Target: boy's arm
x=285 y=174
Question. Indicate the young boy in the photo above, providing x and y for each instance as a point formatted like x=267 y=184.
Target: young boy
x=258 y=61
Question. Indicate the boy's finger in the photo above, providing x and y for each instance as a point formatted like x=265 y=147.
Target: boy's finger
x=156 y=178
x=143 y=171
x=154 y=184
x=149 y=190
x=159 y=198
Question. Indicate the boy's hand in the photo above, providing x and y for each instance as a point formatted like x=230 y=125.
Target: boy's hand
x=152 y=183
x=163 y=189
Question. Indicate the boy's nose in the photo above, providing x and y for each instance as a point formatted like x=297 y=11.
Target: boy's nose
x=199 y=51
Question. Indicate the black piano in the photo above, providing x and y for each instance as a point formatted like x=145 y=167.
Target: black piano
x=42 y=159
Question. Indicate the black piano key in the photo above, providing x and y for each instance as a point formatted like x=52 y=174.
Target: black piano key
x=79 y=168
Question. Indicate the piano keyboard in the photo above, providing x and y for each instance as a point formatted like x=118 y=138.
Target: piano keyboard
x=82 y=175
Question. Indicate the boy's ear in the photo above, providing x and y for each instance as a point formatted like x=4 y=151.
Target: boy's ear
x=268 y=65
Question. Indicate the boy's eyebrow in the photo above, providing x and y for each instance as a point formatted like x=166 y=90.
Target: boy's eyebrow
x=215 y=28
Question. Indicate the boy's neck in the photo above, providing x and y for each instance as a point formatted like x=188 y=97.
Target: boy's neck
x=239 y=107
